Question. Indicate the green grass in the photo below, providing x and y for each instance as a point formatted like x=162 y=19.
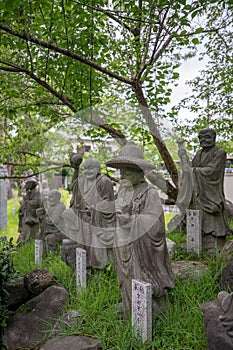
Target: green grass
x=181 y=328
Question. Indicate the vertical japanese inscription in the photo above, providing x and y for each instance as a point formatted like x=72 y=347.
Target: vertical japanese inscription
x=193 y=228
x=142 y=309
x=38 y=251
x=81 y=268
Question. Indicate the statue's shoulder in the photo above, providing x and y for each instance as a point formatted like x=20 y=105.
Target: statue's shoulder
x=153 y=190
x=219 y=150
x=103 y=178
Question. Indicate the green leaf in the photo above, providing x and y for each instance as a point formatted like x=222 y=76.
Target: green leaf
x=195 y=41
x=199 y=30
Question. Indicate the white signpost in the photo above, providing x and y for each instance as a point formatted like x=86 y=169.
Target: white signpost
x=193 y=228
x=142 y=309
x=81 y=273
x=38 y=251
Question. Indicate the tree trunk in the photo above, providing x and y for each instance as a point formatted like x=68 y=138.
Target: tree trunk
x=162 y=148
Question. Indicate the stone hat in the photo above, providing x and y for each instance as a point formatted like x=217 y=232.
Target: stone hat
x=130 y=155
x=31 y=179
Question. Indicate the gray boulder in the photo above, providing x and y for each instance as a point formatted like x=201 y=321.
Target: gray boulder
x=227 y=277
x=28 y=327
x=18 y=294
x=36 y=281
x=68 y=252
x=227 y=251
x=216 y=320
x=72 y=343
x=171 y=246
x=186 y=269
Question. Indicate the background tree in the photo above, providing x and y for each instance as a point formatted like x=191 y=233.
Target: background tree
x=66 y=55
x=211 y=98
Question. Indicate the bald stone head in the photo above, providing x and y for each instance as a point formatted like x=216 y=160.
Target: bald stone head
x=207 y=138
x=91 y=168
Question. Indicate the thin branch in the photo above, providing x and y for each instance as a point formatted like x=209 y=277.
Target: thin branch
x=65 y=52
x=34 y=174
x=116 y=134
x=110 y=14
x=66 y=28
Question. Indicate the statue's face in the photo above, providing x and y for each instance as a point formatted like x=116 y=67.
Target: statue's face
x=133 y=176
x=90 y=169
x=29 y=185
x=207 y=140
x=53 y=198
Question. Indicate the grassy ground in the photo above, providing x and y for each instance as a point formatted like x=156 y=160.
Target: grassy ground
x=181 y=328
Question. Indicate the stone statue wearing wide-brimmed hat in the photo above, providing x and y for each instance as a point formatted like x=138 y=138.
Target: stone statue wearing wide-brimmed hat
x=140 y=249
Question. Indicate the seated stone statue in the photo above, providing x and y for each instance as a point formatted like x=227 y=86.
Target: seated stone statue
x=51 y=221
x=28 y=226
x=90 y=219
x=140 y=249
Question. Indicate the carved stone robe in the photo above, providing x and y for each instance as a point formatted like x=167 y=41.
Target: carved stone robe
x=93 y=204
x=140 y=248
x=208 y=176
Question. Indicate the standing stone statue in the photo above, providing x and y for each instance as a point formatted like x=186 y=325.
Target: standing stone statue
x=208 y=176
x=44 y=190
x=140 y=249
x=51 y=221
x=91 y=218
x=28 y=226
x=184 y=197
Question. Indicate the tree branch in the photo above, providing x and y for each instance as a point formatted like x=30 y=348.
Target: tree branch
x=65 y=52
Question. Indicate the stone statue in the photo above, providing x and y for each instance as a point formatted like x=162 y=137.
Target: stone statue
x=140 y=249
x=90 y=220
x=208 y=177
x=184 y=197
x=44 y=190
x=51 y=221
x=28 y=221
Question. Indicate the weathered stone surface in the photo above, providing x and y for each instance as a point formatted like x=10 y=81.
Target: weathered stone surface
x=18 y=294
x=185 y=269
x=229 y=209
x=227 y=251
x=68 y=252
x=36 y=281
x=28 y=327
x=171 y=246
x=72 y=343
x=227 y=277
x=215 y=334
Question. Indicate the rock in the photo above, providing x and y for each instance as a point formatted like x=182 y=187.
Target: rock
x=227 y=277
x=36 y=281
x=229 y=210
x=28 y=327
x=18 y=294
x=171 y=246
x=227 y=251
x=216 y=337
x=72 y=343
x=226 y=312
x=185 y=269
x=68 y=252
